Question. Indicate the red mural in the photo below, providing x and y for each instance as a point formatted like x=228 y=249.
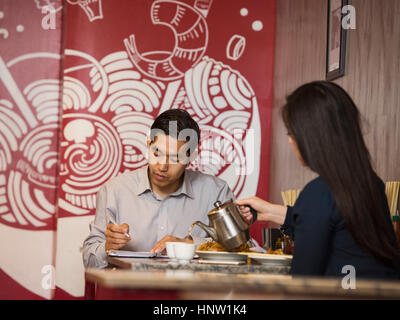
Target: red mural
x=118 y=76
x=124 y=63
x=30 y=78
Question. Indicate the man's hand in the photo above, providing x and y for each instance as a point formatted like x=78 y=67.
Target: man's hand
x=115 y=236
x=159 y=247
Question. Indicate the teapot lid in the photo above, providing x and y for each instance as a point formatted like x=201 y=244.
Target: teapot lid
x=220 y=206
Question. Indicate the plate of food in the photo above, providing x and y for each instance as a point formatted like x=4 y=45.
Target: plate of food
x=213 y=251
x=270 y=259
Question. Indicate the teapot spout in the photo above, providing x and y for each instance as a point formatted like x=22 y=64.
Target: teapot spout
x=210 y=231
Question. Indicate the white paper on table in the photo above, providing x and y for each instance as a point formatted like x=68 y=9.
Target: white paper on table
x=133 y=254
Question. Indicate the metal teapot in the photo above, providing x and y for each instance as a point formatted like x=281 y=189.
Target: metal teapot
x=227 y=226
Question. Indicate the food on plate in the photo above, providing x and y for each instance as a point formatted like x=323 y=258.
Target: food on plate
x=278 y=251
x=215 y=246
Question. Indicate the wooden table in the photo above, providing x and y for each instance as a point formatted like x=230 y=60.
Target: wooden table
x=157 y=279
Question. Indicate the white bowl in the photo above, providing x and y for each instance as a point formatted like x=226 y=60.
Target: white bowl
x=184 y=252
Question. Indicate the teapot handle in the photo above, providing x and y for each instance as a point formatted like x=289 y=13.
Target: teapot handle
x=253 y=213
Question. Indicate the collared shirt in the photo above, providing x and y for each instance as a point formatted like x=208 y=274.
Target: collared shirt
x=128 y=198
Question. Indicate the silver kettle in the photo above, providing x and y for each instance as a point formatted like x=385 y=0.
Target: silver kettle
x=227 y=226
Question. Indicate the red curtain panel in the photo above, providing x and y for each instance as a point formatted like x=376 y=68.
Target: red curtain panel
x=119 y=64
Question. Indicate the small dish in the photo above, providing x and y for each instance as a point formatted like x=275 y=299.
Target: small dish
x=271 y=259
x=221 y=256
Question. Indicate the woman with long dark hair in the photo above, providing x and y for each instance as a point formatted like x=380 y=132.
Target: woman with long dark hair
x=342 y=217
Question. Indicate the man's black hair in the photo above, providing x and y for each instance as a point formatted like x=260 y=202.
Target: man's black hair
x=175 y=123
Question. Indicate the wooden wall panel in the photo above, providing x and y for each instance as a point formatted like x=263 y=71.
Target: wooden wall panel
x=372 y=79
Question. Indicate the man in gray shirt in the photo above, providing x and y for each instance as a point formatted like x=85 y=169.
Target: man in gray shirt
x=159 y=202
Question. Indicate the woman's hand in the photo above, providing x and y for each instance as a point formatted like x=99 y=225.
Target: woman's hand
x=266 y=211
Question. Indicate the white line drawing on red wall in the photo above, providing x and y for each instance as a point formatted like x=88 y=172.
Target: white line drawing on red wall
x=4 y=33
x=94 y=149
x=92 y=8
x=203 y=6
x=107 y=115
x=235 y=47
x=191 y=38
x=28 y=153
x=40 y=4
x=216 y=96
x=105 y=124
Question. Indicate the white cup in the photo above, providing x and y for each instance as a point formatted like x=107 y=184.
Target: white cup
x=171 y=250
x=184 y=252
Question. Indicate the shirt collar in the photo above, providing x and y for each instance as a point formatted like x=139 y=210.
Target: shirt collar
x=144 y=182
x=185 y=188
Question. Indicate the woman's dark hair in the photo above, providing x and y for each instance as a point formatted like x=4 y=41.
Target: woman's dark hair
x=178 y=124
x=325 y=124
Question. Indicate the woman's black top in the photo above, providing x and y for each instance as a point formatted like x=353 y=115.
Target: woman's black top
x=322 y=243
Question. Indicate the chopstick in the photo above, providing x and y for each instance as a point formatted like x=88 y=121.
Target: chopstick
x=289 y=197
x=392 y=189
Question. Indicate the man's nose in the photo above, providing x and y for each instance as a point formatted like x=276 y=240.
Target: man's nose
x=163 y=166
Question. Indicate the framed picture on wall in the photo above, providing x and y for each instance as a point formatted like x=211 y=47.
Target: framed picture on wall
x=336 y=40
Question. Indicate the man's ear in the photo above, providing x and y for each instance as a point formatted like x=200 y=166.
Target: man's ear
x=193 y=155
x=148 y=142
